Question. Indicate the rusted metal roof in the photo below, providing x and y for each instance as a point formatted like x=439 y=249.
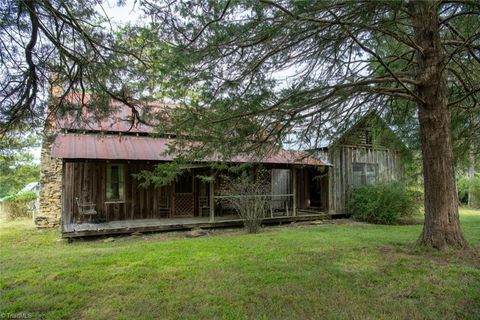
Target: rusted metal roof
x=120 y=119
x=89 y=146
x=114 y=147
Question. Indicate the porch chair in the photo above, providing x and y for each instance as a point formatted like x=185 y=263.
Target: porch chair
x=165 y=212
x=86 y=209
x=164 y=207
x=203 y=206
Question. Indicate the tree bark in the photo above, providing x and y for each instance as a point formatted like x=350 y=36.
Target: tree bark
x=471 y=172
x=441 y=227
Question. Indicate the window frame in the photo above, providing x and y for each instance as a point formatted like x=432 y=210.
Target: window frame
x=366 y=174
x=120 y=182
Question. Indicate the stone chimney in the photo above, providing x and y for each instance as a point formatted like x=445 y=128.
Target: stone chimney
x=50 y=197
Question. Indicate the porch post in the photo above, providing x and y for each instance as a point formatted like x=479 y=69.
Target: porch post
x=211 y=199
x=294 y=190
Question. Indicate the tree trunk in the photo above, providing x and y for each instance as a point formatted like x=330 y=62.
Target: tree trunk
x=471 y=172
x=441 y=227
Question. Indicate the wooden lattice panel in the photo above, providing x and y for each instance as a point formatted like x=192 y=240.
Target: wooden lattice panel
x=184 y=204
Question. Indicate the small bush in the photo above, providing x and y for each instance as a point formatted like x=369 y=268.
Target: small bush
x=19 y=205
x=249 y=195
x=382 y=203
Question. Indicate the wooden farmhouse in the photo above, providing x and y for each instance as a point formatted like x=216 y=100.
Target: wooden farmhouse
x=88 y=185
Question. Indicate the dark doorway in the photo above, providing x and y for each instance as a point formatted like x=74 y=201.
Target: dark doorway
x=315 y=188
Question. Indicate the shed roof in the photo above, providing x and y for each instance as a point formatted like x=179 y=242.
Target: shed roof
x=113 y=147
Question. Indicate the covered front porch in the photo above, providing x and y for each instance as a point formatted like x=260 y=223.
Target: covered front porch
x=102 y=197
x=173 y=224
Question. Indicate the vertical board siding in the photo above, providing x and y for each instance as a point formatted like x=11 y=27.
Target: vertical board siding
x=340 y=176
x=86 y=180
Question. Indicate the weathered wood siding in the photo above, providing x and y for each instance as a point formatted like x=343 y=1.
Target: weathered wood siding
x=340 y=175
x=87 y=180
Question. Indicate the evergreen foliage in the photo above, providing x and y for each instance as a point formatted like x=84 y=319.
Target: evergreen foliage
x=17 y=167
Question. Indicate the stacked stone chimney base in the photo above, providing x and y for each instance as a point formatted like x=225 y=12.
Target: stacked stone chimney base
x=50 y=197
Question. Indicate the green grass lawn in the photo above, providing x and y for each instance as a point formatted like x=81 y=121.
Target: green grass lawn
x=341 y=271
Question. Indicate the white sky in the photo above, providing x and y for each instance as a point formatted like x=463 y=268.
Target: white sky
x=121 y=14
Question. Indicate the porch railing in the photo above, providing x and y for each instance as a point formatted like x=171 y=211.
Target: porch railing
x=278 y=205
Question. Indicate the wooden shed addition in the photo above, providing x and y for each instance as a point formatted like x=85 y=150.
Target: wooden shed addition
x=358 y=158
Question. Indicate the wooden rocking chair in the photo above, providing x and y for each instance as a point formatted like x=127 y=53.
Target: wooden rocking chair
x=86 y=209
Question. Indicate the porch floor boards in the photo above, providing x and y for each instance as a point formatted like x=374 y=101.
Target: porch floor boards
x=170 y=224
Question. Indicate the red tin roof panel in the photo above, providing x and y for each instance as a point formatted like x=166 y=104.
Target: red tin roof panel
x=113 y=147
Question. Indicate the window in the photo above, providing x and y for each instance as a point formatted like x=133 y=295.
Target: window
x=365 y=136
x=115 y=182
x=364 y=174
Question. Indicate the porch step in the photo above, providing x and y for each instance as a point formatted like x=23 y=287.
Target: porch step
x=321 y=214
